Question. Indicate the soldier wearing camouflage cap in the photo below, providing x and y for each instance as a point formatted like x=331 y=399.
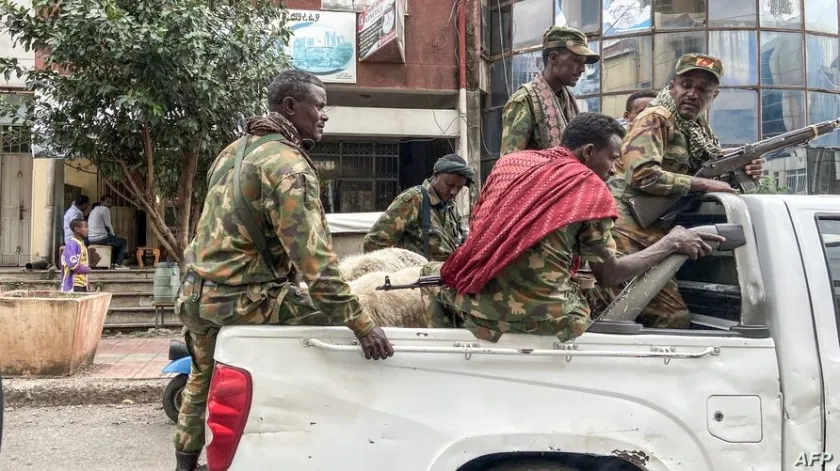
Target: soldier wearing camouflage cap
x=262 y=226
x=666 y=144
x=537 y=113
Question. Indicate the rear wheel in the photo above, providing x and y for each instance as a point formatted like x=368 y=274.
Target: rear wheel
x=532 y=465
x=172 y=397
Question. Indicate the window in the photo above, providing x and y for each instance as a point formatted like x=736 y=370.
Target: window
x=524 y=67
x=499 y=30
x=579 y=14
x=738 y=50
x=781 y=111
x=357 y=177
x=796 y=181
x=821 y=16
x=780 y=14
x=500 y=82
x=822 y=107
x=668 y=48
x=781 y=59
x=615 y=105
x=823 y=55
x=731 y=13
x=734 y=116
x=626 y=64
x=676 y=14
x=622 y=17
x=830 y=233
x=592 y=104
x=530 y=20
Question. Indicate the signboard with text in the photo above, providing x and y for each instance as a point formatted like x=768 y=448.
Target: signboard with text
x=382 y=32
x=323 y=43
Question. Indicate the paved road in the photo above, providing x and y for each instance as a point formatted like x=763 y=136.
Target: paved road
x=87 y=438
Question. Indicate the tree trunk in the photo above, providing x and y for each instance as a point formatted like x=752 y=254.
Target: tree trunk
x=185 y=197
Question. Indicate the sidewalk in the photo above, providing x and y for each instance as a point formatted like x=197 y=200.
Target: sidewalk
x=128 y=358
x=124 y=370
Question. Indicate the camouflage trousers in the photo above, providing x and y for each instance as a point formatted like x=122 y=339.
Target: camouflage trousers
x=204 y=308
x=667 y=310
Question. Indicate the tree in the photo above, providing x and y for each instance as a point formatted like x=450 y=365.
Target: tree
x=150 y=91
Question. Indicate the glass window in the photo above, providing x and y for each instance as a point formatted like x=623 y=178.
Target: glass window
x=668 y=48
x=732 y=13
x=680 y=14
x=500 y=80
x=823 y=107
x=830 y=233
x=614 y=105
x=739 y=52
x=623 y=16
x=491 y=135
x=823 y=55
x=500 y=30
x=780 y=14
x=734 y=117
x=592 y=104
x=579 y=14
x=781 y=59
x=781 y=111
x=530 y=20
x=821 y=15
x=590 y=81
x=822 y=170
x=626 y=64
x=524 y=67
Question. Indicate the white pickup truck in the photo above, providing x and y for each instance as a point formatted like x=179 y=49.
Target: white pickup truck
x=747 y=387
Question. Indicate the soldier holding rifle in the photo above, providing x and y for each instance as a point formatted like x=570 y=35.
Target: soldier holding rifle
x=667 y=143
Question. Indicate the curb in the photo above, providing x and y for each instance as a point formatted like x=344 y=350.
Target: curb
x=81 y=391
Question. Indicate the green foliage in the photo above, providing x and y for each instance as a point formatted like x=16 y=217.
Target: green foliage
x=145 y=84
x=769 y=186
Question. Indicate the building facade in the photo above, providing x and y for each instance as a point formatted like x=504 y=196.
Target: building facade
x=780 y=56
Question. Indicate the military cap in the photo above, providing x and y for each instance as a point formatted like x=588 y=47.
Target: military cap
x=571 y=39
x=704 y=62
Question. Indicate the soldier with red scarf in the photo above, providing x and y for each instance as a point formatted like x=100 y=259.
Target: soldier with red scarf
x=540 y=214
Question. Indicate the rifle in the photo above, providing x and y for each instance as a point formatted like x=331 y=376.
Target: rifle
x=422 y=282
x=647 y=209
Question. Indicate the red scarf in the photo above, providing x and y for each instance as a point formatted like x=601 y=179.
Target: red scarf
x=528 y=195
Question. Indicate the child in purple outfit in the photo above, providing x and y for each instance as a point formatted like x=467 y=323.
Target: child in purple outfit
x=74 y=261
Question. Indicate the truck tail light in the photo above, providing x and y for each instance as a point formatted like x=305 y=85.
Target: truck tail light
x=228 y=405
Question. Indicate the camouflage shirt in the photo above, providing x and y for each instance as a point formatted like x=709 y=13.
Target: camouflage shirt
x=401 y=225
x=520 y=126
x=535 y=292
x=654 y=158
x=283 y=189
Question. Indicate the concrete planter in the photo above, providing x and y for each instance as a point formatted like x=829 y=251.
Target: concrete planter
x=49 y=333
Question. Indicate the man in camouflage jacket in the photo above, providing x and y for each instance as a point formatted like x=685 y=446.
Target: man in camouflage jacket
x=667 y=142
x=401 y=225
x=228 y=282
x=534 y=292
x=536 y=114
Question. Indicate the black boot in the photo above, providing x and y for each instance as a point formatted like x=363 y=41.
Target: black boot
x=186 y=461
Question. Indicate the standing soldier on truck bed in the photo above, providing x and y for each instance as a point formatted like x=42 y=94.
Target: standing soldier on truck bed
x=538 y=112
x=667 y=142
x=424 y=219
x=234 y=276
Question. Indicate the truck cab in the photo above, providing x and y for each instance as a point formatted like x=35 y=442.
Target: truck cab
x=744 y=388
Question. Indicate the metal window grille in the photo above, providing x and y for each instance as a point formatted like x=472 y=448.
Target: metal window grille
x=357 y=177
x=16 y=139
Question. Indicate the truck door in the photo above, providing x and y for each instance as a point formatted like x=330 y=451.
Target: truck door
x=817 y=225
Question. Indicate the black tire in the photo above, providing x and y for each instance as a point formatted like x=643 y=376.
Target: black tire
x=532 y=465
x=172 y=396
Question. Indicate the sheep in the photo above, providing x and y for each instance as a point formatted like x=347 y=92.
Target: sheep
x=397 y=308
x=388 y=260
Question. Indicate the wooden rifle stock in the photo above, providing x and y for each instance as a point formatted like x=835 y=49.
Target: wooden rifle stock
x=647 y=209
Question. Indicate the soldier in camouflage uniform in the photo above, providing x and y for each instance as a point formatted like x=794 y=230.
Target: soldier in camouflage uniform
x=536 y=114
x=401 y=225
x=534 y=294
x=229 y=281
x=666 y=143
